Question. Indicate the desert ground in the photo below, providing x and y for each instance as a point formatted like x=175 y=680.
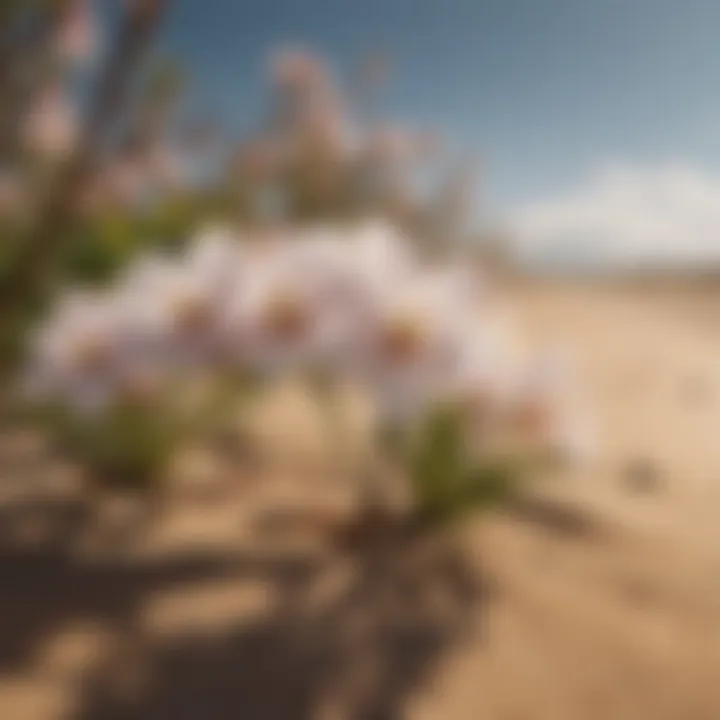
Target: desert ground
x=596 y=598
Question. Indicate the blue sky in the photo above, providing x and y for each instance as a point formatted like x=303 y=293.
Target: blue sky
x=546 y=92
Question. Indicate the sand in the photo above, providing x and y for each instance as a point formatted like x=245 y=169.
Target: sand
x=620 y=617
x=598 y=598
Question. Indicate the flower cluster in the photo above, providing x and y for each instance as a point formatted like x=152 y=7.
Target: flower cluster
x=351 y=303
x=323 y=158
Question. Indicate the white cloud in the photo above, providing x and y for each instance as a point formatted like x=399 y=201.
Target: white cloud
x=626 y=214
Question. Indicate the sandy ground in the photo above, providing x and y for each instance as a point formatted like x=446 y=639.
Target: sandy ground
x=620 y=619
x=598 y=599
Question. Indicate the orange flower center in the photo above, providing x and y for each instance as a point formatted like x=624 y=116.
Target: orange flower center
x=92 y=354
x=191 y=314
x=286 y=317
x=403 y=340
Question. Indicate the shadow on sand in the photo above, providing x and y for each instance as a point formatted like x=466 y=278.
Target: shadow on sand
x=357 y=650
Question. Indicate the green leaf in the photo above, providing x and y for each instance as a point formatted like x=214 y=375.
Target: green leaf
x=447 y=476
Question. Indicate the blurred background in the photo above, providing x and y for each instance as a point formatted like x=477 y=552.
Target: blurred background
x=570 y=152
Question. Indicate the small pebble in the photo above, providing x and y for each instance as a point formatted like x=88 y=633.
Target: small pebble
x=642 y=476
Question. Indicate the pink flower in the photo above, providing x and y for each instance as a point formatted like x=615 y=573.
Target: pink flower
x=299 y=70
x=77 y=33
x=51 y=127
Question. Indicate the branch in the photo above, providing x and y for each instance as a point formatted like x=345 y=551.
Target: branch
x=36 y=255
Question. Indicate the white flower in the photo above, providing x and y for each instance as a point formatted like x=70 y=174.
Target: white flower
x=278 y=320
x=353 y=267
x=174 y=308
x=303 y=294
x=409 y=343
x=76 y=356
x=382 y=250
x=351 y=302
